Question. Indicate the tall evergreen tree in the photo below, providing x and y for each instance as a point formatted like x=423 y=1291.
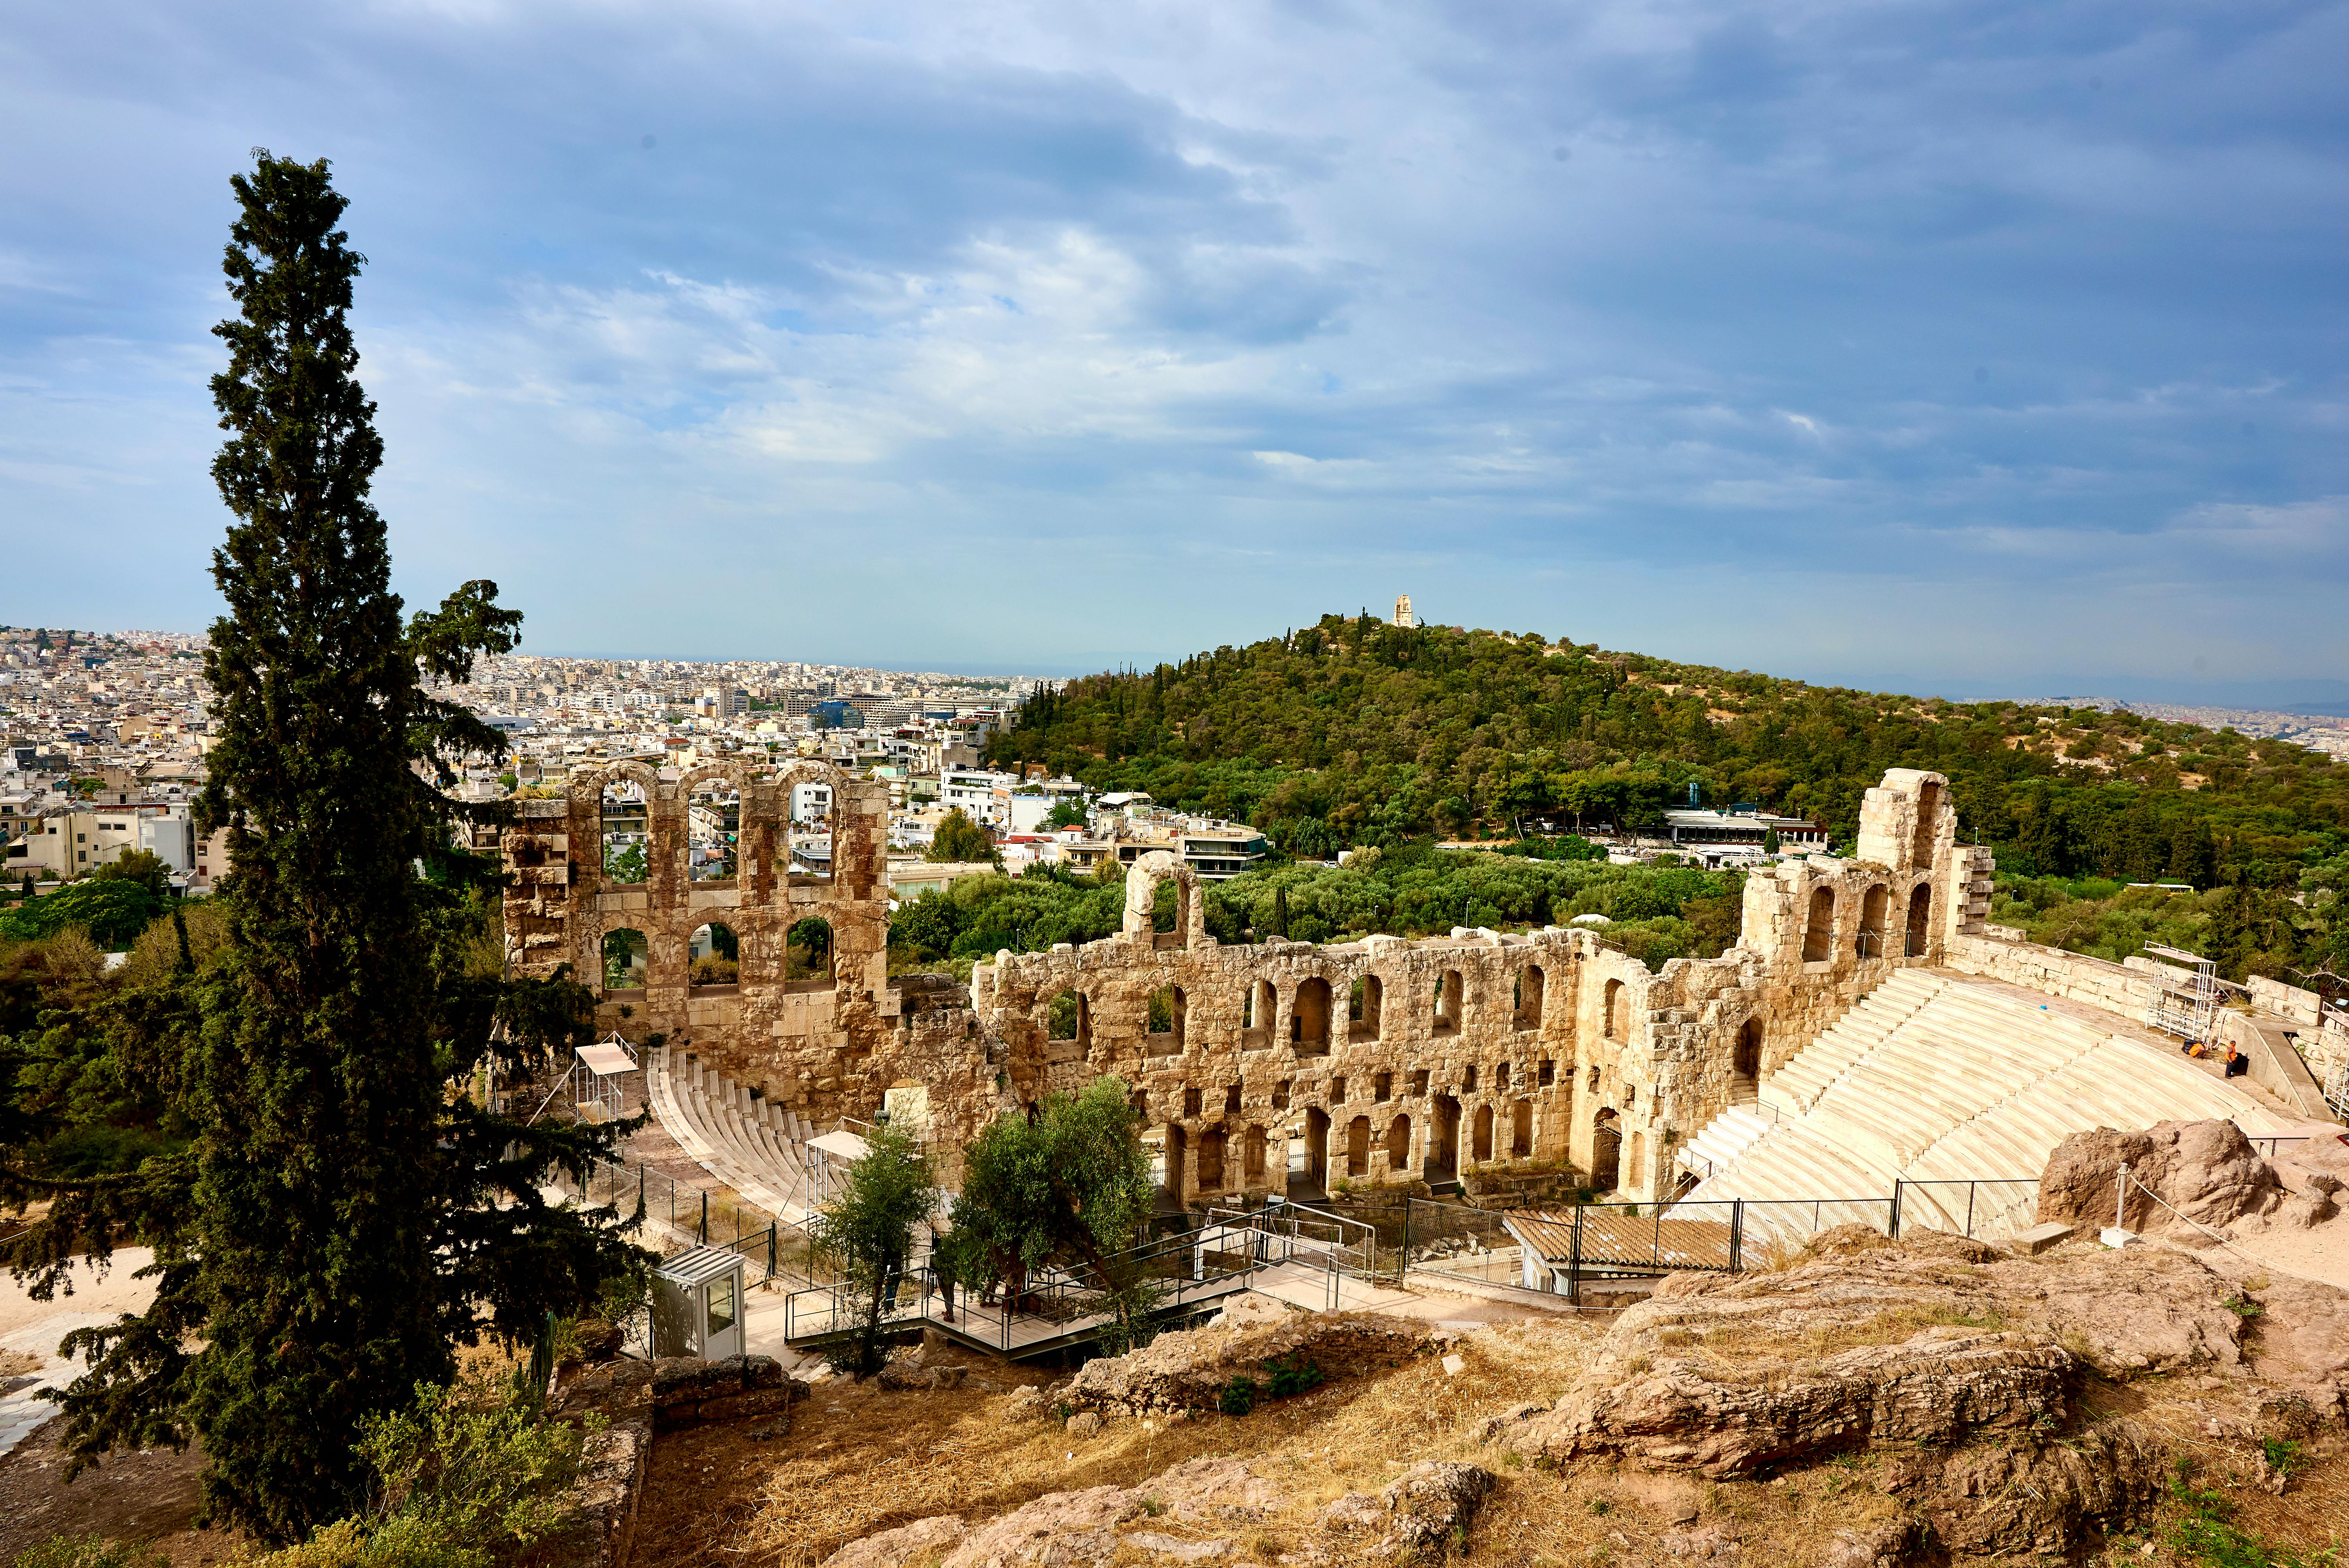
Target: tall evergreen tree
x=341 y=1215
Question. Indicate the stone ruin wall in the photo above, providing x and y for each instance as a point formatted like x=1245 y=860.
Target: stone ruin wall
x=1220 y=1091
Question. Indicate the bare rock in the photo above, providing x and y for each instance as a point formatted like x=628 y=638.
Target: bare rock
x=1433 y=1503
x=1936 y=1387
x=1874 y=1546
x=1187 y=1370
x=2205 y=1171
x=892 y=1547
x=1061 y=1529
x=1028 y=1403
x=1176 y=1547
x=2043 y=1498
x=1212 y=1489
x=1355 y=1510
x=1083 y=1424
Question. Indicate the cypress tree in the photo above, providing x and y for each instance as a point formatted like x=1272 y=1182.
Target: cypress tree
x=342 y=1215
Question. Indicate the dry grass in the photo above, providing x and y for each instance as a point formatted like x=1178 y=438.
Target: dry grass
x=857 y=1460
x=19 y=1363
x=1741 y=1339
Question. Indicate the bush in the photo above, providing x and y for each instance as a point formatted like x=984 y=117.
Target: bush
x=85 y=1552
x=1238 y=1396
x=1284 y=1377
x=461 y=1479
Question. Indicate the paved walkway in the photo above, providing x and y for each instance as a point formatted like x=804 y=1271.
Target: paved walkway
x=33 y=1327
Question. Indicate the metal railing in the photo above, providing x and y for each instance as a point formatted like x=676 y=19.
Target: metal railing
x=1730 y=1235
x=1059 y=1306
x=699 y=1216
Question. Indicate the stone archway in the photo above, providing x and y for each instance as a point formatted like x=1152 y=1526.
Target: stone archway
x=1921 y=920
x=1480 y=1143
x=1443 y=1139
x=1606 y=1152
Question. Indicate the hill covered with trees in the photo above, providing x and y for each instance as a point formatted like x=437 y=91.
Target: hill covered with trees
x=1353 y=732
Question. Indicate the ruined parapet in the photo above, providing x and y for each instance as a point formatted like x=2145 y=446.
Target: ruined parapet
x=1141 y=880
x=1907 y=822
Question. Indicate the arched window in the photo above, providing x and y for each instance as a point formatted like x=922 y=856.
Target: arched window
x=809 y=836
x=627 y=833
x=1259 y=1004
x=1447 y=1004
x=1818 y=929
x=1611 y=1010
x=713 y=831
x=1529 y=997
x=1638 y=1157
x=1309 y=1018
x=1929 y=819
x=1170 y=911
x=1211 y=1160
x=1521 y=1129
x=1177 y=1149
x=1869 y=944
x=1399 y=1144
x=1358 y=1147
x=625 y=955
x=1364 y=1004
x=713 y=957
x=1920 y=918
x=808 y=956
x=1252 y=1165
x=1480 y=1147
x=1606 y=1152
x=1069 y=1027
x=1745 y=1062
x=1163 y=1024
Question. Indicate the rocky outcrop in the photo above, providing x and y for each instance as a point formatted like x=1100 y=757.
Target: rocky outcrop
x=1185 y=1371
x=1433 y=1503
x=686 y=1390
x=1084 y=1528
x=2206 y=1172
x=1964 y=1363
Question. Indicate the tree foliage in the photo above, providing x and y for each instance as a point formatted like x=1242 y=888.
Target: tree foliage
x=958 y=839
x=1068 y=1183
x=339 y=1215
x=1355 y=732
x=868 y=1231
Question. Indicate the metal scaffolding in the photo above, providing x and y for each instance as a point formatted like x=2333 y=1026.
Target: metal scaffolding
x=2186 y=1005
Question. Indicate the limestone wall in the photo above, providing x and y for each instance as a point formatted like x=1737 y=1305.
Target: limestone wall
x=1471 y=1049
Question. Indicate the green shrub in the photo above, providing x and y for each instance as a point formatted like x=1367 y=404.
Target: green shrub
x=461 y=1479
x=85 y=1552
x=1238 y=1396
x=1290 y=1375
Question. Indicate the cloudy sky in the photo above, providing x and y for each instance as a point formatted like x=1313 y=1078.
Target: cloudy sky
x=1963 y=347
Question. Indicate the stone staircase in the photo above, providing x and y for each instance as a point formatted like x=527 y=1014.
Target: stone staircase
x=756 y=1148
x=1936 y=1080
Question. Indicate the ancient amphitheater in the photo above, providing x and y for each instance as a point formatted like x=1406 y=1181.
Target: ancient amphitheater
x=1869 y=1030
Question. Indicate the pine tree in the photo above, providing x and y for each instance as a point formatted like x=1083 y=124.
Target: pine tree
x=339 y=1218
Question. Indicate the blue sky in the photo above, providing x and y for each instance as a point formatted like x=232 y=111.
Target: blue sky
x=1955 y=348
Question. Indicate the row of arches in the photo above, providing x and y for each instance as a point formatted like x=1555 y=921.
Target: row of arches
x=716 y=847
x=714 y=957
x=1871 y=936
x=1312 y=1014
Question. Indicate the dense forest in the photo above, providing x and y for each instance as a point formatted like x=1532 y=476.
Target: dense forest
x=1353 y=732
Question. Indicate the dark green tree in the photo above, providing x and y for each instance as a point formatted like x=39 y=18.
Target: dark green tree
x=340 y=1217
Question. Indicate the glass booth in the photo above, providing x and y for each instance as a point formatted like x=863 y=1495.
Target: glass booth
x=698 y=1304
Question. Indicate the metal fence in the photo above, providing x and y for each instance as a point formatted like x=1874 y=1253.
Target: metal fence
x=1541 y=1248
x=1059 y=1308
x=686 y=1215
